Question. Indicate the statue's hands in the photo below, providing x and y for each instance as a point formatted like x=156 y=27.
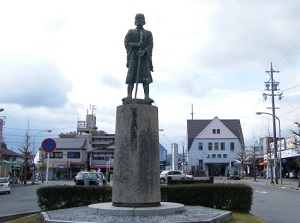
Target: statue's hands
x=141 y=53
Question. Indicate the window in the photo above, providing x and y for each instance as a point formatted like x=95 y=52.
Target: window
x=200 y=145
x=216 y=146
x=219 y=155
x=213 y=156
x=222 y=145
x=216 y=131
x=73 y=155
x=225 y=156
x=56 y=155
x=98 y=156
x=210 y=146
x=232 y=146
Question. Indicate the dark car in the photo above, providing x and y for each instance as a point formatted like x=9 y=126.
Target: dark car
x=233 y=175
x=89 y=178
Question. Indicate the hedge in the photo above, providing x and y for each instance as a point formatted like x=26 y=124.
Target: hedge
x=232 y=197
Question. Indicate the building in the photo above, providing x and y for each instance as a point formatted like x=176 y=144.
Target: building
x=84 y=149
x=288 y=151
x=10 y=163
x=162 y=157
x=213 y=145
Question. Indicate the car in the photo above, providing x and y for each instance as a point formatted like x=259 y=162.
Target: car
x=233 y=175
x=89 y=178
x=4 y=185
x=174 y=174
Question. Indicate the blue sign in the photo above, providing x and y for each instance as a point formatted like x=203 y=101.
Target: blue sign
x=48 y=145
x=107 y=158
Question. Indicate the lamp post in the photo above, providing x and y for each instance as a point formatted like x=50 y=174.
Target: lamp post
x=280 y=165
x=35 y=136
x=33 y=172
x=1 y=127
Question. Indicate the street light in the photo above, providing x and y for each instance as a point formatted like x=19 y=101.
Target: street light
x=280 y=165
x=35 y=136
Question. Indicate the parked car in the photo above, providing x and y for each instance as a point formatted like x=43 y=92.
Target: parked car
x=89 y=178
x=175 y=174
x=4 y=185
x=233 y=175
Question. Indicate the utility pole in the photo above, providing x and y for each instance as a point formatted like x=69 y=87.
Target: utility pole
x=183 y=160
x=274 y=85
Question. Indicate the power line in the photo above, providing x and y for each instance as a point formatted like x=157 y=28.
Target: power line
x=291 y=87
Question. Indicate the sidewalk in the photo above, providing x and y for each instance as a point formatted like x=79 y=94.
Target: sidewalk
x=286 y=182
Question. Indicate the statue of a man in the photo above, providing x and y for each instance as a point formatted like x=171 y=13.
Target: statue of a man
x=139 y=45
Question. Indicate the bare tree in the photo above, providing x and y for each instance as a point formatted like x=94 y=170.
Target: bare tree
x=252 y=153
x=242 y=157
x=26 y=155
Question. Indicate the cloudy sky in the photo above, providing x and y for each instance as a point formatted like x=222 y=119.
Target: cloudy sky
x=59 y=57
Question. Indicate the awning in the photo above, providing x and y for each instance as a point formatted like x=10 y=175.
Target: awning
x=60 y=164
x=102 y=166
x=265 y=163
x=10 y=163
x=77 y=164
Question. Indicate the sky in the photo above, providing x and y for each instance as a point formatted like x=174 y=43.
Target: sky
x=57 y=58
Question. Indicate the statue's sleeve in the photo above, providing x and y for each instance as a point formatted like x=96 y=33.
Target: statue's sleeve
x=149 y=46
x=128 y=47
x=149 y=49
x=127 y=41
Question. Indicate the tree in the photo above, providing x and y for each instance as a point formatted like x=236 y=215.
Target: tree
x=252 y=153
x=242 y=157
x=26 y=155
x=297 y=158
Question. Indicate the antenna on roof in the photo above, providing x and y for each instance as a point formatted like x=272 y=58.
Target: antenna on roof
x=93 y=107
x=192 y=113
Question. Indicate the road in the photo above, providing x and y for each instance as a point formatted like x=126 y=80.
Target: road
x=275 y=205
x=23 y=199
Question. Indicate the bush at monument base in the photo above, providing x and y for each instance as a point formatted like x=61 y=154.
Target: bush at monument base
x=232 y=197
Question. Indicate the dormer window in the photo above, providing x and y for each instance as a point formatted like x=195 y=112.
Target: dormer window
x=216 y=131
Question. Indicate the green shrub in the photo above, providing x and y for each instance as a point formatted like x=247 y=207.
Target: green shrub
x=232 y=197
x=58 y=197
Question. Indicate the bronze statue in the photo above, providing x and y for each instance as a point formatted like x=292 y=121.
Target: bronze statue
x=139 y=44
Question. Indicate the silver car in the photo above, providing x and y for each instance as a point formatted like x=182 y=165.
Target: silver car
x=175 y=174
x=4 y=185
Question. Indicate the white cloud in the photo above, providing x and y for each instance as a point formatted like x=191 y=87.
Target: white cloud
x=58 y=57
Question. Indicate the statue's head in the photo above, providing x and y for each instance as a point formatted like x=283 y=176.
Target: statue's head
x=139 y=19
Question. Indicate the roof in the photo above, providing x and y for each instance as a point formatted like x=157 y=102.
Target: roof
x=194 y=127
x=70 y=143
x=9 y=152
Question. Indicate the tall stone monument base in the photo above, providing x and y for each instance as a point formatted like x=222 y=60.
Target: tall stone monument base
x=136 y=157
x=136 y=186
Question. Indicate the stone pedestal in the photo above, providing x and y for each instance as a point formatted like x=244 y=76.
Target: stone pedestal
x=136 y=157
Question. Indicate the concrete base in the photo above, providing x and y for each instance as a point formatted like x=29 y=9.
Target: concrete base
x=166 y=208
x=136 y=157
